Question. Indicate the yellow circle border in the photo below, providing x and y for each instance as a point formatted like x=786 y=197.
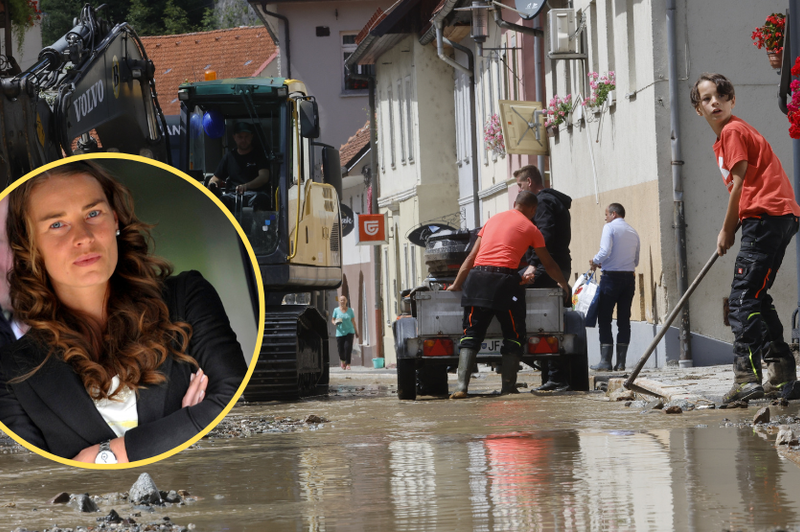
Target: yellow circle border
x=261 y=310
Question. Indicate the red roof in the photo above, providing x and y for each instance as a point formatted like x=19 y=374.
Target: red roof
x=354 y=145
x=374 y=20
x=232 y=53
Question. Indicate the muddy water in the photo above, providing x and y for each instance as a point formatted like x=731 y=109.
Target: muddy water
x=490 y=463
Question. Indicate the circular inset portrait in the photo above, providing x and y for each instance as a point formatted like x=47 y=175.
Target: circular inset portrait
x=130 y=311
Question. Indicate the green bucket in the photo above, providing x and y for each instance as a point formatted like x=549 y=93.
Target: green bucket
x=377 y=363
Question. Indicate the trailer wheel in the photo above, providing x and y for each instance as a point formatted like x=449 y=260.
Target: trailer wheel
x=432 y=380
x=406 y=379
x=579 y=360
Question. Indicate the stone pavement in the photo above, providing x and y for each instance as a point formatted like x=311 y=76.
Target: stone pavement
x=696 y=385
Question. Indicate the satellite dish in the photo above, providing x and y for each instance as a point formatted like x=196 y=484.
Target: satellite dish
x=419 y=236
x=529 y=8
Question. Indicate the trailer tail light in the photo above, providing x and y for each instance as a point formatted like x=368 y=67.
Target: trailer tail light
x=542 y=344
x=437 y=347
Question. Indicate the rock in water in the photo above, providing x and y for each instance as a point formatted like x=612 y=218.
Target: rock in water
x=622 y=395
x=84 y=503
x=144 y=491
x=674 y=409
x=786 y=436
x=762 y=416
x=61 y=498
x=112 y=517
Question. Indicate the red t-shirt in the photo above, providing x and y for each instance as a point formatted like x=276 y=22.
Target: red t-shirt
x=505 y=238
x=766 y=188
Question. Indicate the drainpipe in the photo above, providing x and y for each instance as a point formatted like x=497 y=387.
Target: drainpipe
x=537 y=66
x=538 y=74
x=373 y=171
x=473 y=124
x=679 y=221
x=498 y=19
x=288 y=40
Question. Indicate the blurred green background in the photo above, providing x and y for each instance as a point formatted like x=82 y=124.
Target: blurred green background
x=193 y=234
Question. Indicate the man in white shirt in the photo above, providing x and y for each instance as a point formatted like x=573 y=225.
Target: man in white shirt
x=618 y=257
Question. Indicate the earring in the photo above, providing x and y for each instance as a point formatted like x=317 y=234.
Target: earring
x=117 y=232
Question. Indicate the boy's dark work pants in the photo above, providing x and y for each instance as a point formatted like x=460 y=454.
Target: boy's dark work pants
x=616 y=288
x=754 y=321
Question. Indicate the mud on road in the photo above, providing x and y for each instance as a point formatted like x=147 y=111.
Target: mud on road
x=359 y=459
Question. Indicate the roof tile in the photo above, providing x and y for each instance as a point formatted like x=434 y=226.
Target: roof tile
x=232 y=53
x=354 y=145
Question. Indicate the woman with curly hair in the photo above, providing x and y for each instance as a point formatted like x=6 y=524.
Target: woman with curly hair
x=122 y=361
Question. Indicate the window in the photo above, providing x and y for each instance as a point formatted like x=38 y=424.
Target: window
x=413 y=266
x=380 y=134
x=349 y=84
x=387 y=286
x=391 y=126
x=407 y=284
x=364 y=322
x=409 y=120
x=402 y=118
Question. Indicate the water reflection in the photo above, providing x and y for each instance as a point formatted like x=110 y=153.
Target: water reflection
x=424 y=471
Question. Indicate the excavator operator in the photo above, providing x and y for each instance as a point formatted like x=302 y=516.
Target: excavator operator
x=246 y=166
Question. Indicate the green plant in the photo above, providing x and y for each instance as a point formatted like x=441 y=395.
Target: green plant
x=24 y=14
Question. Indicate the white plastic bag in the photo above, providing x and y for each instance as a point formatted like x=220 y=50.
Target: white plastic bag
x=584 y=297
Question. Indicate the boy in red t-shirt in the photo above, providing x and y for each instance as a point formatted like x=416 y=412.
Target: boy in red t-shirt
x=761 y=196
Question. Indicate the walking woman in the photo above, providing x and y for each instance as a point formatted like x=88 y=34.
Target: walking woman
x=122 y=361
x=345 y=320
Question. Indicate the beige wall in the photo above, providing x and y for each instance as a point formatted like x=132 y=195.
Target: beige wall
x=587 y=228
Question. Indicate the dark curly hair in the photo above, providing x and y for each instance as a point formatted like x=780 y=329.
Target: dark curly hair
x=138 y=335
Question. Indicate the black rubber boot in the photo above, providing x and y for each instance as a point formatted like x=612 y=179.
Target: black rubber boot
x=781 y=371
x=606 y=352
x=556 y=378
x=747 y=379
x=508 y=374
x=466 y=360
x=622 y=353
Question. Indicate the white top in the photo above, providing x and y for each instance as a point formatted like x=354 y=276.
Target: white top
x=120 y=412
x=619 y=247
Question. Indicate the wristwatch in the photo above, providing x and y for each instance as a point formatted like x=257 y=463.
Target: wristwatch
x=105 y=455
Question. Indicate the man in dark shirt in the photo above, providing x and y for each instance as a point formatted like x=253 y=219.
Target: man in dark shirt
x=246 y=166
x=554 y=221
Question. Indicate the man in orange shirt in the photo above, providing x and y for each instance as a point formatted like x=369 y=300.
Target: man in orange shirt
x=494 y=288
x=761 y=196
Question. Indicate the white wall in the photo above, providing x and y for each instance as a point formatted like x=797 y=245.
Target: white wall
x=632 y=150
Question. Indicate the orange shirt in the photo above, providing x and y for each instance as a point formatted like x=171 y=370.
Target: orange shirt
x=505 y=238
x=766 y=188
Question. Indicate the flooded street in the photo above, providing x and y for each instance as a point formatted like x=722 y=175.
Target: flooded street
x=526 y=462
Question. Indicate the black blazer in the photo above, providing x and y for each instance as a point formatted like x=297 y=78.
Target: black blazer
x=52 y=410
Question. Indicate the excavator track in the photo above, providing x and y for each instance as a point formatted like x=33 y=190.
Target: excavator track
x=294 y=360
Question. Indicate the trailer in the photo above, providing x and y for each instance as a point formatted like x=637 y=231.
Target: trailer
x=426 y=342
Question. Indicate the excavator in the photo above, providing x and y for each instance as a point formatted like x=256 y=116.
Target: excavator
x=293 y=223
x=93 y=90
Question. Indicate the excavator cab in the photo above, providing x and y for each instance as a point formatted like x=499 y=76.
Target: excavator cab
x=293 y=223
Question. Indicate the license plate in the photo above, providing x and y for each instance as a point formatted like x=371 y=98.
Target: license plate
x=491 y=346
